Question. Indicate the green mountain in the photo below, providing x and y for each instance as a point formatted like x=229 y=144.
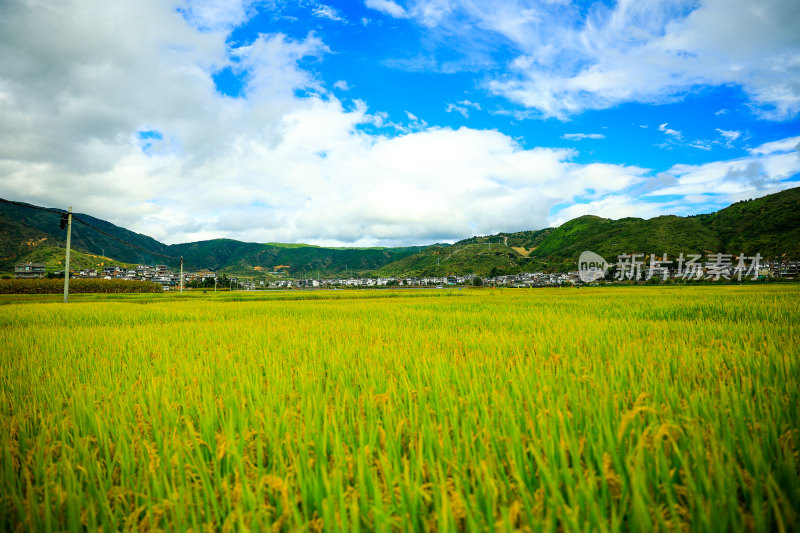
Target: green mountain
x=44 y=224
x=28 y=234
x=54 y=258
x=610 y=238
x=294 y=259
x=769 y=225
x=472 y=258
x=18 y=240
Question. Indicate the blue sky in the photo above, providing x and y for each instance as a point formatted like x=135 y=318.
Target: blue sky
x=383 y=122
x=400 y=66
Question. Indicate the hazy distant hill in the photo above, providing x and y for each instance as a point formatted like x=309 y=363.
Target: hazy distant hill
x=768 y=225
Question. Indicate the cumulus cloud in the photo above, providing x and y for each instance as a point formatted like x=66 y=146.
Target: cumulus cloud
x=751 y=175
x=113 y=109
x=124 y=121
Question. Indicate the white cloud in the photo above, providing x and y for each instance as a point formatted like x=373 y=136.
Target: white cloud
x=675 y=138
x=699 y=188
x=73 y=105
x=328 y=12
x=700 y=145
x=643 y=51
x=768 y=169
x=462 y=107
x=790 y=144
x=216 y=15
x=80 y=82
x=458 y=109
x=581 y=136
x=388 y=7
x=729 y=136
x=342 y=85
x=669 y=131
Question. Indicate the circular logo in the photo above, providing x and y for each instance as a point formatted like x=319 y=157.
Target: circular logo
x=591 y=267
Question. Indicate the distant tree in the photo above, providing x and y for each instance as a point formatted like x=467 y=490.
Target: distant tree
x=477 y=282
x=494 y=272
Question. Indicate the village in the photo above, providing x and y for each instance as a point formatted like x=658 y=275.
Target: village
x=206 y=279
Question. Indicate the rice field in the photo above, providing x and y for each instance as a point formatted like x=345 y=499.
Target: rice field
x=609 y=409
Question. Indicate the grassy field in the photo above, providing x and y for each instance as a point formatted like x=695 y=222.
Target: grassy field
x=605 y=409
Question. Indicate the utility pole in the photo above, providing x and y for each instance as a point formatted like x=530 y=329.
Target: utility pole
x=215 y=282
x=181 y=274
x=69 y=242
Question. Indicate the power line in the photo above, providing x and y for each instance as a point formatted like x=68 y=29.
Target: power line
x=62 y=212
x=29 y=206
x=123 y=241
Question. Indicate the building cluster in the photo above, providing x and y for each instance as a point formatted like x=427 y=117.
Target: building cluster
x=534 y=279
x=371 y=282
x=160 y=274
x=524 y=279
x=29 y=270
x=169 y=279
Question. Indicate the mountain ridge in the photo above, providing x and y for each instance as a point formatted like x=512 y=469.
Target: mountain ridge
x=768 y=225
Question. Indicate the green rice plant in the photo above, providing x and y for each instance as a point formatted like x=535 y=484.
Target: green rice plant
x=665 y=408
